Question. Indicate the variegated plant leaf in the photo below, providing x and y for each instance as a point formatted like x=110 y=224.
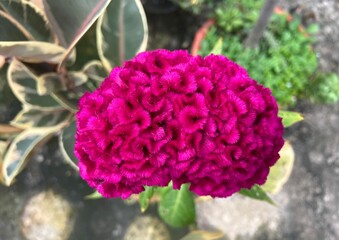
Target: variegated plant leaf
x=23 y=84
x=256 y=192
x=203 y=235
x=95 y=71
x=66 y=143
x=71 y=19
x=35 y=117
x=121 y=32
x=29 y=19
x=3 y=147
x=32 y=51
x=21 y=149
x=289 y=118
x=217 y=49
x=281 y=171
x=54 y=82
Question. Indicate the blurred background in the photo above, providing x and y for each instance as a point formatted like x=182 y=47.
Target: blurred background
x=290 y=46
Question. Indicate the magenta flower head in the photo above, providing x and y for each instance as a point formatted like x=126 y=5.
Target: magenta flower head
x=166 y=116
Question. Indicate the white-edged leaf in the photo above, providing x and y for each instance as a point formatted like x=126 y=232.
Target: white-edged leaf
x=281 y=170
x=35 y=117
x=122 y=32
x=32 y=51
x=203 y=235
x=71 y=19
x=28 y=18
x=23 y=84
x=21 y=149
x=54 y=82
x=94 y=195
x=95 y=71
x=66 y=143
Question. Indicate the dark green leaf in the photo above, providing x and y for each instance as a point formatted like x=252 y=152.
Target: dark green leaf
x=8 y=31
x=290 y=118
x=176 y=207
x=66 y=142
x=121 y=32
x=32 y=117
x=203 y=235
x=21 y=149
x=71 y=19
x=32 y=52
x=144 y=198
x=27 y=18
x=23 y=84
x=256 y=193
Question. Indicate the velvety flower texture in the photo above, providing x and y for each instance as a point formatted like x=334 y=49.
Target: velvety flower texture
x=170 y=116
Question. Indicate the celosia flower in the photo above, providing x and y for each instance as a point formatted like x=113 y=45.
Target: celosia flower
x=170 y=116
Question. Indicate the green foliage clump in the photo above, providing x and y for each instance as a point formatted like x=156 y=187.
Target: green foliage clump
x=325 y=88
x=284 y=60
x=237 y=16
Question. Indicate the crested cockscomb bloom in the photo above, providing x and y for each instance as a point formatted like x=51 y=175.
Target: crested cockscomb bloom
x=166 y=116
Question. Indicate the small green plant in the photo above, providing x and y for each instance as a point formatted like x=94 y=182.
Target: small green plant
x=285 y=60
x=325 y=88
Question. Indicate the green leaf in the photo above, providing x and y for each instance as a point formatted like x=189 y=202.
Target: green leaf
x=290 y=118
x=94 y=195
x=35 y=117
x=121 y=32
x=257 y=193
x=21 y=149
x=281 y=171
x=27 y=18
x=23 y=84
x=71 y=19
x=176 y=207
x=67 y=142
x=95 y=71
x=32 y=52
x=313 y=28
x=144 y=198
x=217 y=49
x=203 y=235
x=54 y=82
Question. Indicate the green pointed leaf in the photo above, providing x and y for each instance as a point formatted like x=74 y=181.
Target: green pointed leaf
x=121 y=32
x=27 y=18
x=144 y=198
x=32 y=52
x=54 y=82
x=257 y=193
x=176 y=207
x=8 y=30
x=203 y=235
x=217 y=49
x=35 y=117
x=290 y=118
x=21 y=149
x=23 y=84
x=66 y=143
x=281 y=171
x=94 y=195
x=95 y=71
x=71 y=19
